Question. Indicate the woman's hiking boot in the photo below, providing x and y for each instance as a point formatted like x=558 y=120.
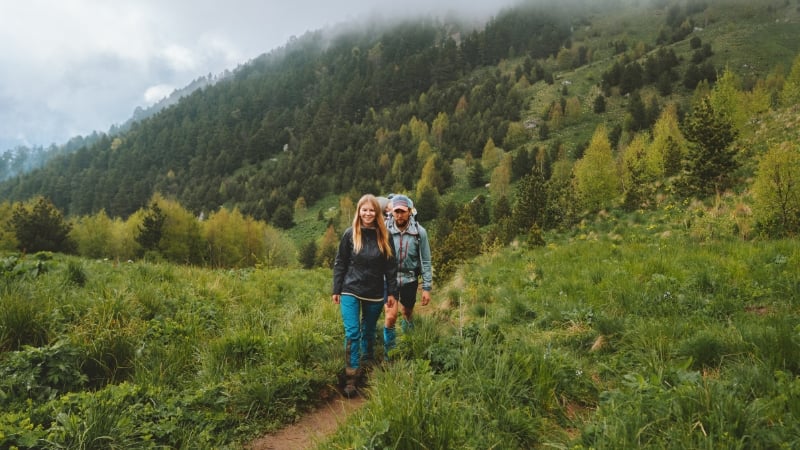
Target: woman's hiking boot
x=351 y=378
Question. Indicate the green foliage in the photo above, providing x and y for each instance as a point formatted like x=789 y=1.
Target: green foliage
x=790 y=95
x=41 y=227
x=530 y=201
x=596 y=180
x=283 y=217
x=152 y=228
x=477 y=176
x=94 y=235
x=39 y=374
x=461 y=243
x=711 y=161
x=8 y=240
x=308 y=253
x=777 y=191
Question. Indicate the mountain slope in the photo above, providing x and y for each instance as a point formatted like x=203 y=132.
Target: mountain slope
x=324 y=116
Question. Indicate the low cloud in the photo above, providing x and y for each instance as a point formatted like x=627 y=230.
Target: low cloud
x=157 y=92
x=84 y=65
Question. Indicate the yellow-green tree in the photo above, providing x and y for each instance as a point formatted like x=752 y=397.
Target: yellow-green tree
x=728 y=99
x=419 y=129
x=300 y=205
x=431 y=176
x=790 y=94
x=329 y=245
x=668 y=147
x=759 y=99
x=123 y=245
x=516 y=136
x=233 y=240
x=278 y=250
x=491 y=156
x=395 y=178
x=596 y=179
x=501 y=177
x=180 y=240
x=556 y=116
x=439 y=127
x=347 y=210
x=424 y=153
x=776 y=190
x=93 y=234
x=573 y=109
x=7 y=239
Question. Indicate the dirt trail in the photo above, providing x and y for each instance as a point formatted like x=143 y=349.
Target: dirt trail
x=311 y=428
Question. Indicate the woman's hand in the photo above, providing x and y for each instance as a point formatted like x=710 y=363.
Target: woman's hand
x=390 y=301
x=337 y=298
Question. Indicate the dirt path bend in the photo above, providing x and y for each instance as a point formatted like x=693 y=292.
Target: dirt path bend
x=311 y=428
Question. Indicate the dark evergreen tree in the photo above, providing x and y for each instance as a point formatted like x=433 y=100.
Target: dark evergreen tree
x=308 y=254
x=631 y=79
x=521 y=164
x=476 y=174
x=152 y=228
x=637 y=113
x=711 y=161
x=651 y=112
x=599 y=105
x=531 y=201
x=478 y=207
x=461 y=243
x=41 y=228
x=664 y=84
x=427 y=204
x=544 y=131
x=283 y=217
x=501 y=209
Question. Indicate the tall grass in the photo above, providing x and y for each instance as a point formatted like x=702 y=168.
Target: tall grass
x=651 y=341
x=594 y=340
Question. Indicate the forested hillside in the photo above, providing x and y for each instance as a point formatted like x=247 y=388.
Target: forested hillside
x=579 y=106
x=302 y=120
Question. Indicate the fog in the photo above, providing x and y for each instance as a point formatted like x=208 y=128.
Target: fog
x=77 y=66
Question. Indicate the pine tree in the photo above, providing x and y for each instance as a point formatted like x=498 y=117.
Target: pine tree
x=501 y=209
x=308 y=254
x=711 y=160
x=152 y=228
x=476 y=175
x=531 y=200
x=460 y=244
x=41 y=228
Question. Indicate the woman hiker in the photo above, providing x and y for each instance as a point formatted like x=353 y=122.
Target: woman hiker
x=366 y=257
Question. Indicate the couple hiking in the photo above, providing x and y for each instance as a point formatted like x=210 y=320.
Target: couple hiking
x=377 y=268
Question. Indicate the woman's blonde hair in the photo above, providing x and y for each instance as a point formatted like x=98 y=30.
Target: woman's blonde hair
x=380 y=226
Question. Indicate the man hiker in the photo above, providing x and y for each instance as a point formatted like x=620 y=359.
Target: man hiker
x=413 y=260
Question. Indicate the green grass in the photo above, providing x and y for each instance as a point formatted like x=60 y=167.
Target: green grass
x=627 y=332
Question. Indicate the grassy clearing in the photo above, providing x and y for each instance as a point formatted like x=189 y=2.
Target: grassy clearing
x=628 y=332
x=642 y=340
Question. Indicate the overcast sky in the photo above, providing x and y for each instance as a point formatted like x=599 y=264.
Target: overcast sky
x=69 y=67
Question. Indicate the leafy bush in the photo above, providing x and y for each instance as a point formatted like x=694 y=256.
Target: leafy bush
x=41 y=373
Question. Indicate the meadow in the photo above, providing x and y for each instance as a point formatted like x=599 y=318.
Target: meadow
x=632 y=331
